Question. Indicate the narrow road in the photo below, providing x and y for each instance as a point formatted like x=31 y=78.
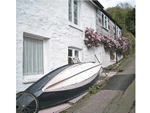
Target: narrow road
x=118 y=96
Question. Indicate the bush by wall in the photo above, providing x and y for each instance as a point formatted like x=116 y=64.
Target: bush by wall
x=120 y=45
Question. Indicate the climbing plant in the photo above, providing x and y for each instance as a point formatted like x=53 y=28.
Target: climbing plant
x=94 y=39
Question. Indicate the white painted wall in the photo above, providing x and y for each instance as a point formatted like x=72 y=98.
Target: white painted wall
x=42 y=18
x=49 y=18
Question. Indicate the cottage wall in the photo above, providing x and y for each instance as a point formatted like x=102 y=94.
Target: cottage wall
x=111 y=32
x=49 y=20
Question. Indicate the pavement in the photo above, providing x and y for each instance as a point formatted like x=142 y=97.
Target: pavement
x=118 y=96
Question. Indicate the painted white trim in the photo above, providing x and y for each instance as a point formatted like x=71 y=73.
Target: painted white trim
x=94 y=4
x=104 y=16
x=72 y=12
x=75 y=26
x=30 y=35
x=73 y=51
x=117 y=31
x=31 y=78
x=72 y=47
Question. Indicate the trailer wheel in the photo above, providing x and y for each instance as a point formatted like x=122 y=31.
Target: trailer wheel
x=26 y=103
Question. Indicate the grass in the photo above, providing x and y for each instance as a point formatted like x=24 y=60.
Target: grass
x=63 y=111
x=95 y=88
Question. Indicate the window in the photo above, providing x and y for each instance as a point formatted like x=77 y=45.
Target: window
x=118 y=32
x=32 y=56
x=112 y=56
x=109 y=27
x=104 y=21
x=76 y=53
x=74 y=11
x=73 y=53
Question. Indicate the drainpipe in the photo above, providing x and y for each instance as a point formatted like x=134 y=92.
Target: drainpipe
x=116 y=58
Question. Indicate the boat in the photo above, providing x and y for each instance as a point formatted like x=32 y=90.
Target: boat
x=58 y=86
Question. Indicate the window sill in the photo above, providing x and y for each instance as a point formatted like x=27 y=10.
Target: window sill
x=75 y=26
x=112 y=60
x=105 y=29
x=31 y=78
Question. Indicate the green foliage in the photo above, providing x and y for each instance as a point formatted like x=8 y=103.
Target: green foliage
x=94 y=88
x=130 y=21
x=131 y=38
x=124 y=15
x=63 y=112
x=121 y=45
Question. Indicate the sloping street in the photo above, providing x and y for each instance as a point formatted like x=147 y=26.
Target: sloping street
x=118 y=96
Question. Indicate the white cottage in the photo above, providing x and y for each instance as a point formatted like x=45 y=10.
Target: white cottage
x=50 y=32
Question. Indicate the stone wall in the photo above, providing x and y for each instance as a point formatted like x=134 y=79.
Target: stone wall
x=49 y=19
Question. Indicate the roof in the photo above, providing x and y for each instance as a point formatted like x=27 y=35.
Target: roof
x=102 y=9
x=98 y=4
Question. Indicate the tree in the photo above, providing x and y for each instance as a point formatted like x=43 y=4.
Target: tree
x=125 y=5
x=130 y=21
x=124 y=15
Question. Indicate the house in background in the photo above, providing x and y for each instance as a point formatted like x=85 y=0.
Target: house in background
x=108 y=27
x=49 y=33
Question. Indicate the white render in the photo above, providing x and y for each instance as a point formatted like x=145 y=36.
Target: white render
x=49 y=19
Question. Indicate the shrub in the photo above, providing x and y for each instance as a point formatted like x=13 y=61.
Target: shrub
x=94 y=88
x=121 y=45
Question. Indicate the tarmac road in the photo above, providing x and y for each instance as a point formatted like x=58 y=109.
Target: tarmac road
x=119 y=82
x=118 y=96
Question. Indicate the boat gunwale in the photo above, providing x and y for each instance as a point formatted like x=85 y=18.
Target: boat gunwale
x=43 y=89
x=80 y=90
x=85 y=82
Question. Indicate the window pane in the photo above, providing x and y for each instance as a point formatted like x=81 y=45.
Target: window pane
x=105 y=24
x=70 y=61
x=75 y=7
x=76 y=53
x=69 y=52
x=75 y=21
x=32 y=56
x=75 y=14
x=108 y=27
x=112 y=56
x=75 y=2
x=70 y=11
x=102 y=20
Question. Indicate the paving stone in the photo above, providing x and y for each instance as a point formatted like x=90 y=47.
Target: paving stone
x=56 y=109
x=78 y=98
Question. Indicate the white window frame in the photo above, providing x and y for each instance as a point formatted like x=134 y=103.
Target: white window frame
x=73 y=53
x=117 y=31
x=72 y=11
x=33 y=78
x=105 y=18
